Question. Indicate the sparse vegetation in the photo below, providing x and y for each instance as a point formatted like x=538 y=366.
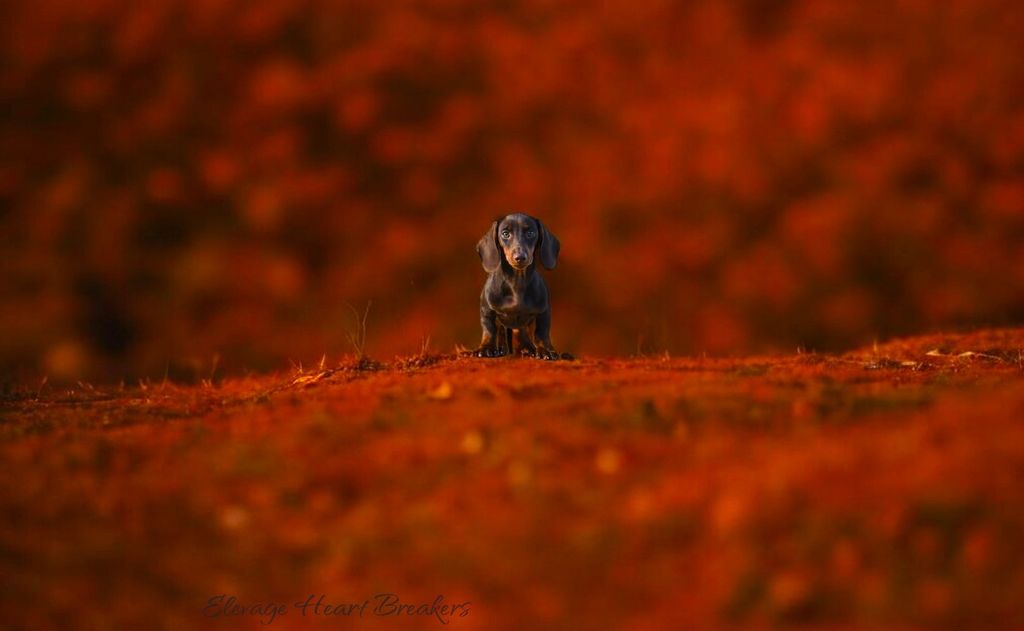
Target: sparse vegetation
x=878 y=487
x=356 y=331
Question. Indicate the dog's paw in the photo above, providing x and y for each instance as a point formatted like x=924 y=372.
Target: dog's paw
x=543 y=353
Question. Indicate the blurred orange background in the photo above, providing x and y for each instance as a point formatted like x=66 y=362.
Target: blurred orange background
x=199 y=187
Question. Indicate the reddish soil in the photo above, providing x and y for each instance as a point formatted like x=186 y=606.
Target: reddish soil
x=883 y=487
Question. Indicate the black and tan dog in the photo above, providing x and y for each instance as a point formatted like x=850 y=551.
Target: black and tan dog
x=515 y=297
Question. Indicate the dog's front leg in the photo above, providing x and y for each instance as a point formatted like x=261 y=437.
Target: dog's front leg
x=542 y=336
x=489 y=343
x=527 y=341
x=502 y=340
x=505 y=340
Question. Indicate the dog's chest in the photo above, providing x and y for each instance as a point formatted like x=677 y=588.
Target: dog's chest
x=515 y=310
x=511 y=298
x=514 y=298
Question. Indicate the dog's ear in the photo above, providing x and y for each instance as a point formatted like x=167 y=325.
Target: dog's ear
x=547 y=247
x=487 y=248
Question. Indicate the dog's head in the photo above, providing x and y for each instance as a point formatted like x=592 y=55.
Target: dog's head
x=516 y=239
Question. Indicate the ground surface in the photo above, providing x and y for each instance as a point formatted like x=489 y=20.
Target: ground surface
x=884 y=487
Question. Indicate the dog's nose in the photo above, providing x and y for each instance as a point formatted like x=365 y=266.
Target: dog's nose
x=519 y=257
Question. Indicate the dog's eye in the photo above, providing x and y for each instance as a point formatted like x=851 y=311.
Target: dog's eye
x=530 y=234
x=505 y=234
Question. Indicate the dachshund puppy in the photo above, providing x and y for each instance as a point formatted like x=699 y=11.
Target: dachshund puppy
x=515 y=297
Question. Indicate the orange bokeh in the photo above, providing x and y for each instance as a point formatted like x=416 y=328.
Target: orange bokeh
x=184 y=180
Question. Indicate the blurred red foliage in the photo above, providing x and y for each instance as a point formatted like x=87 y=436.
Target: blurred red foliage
x=190 y=178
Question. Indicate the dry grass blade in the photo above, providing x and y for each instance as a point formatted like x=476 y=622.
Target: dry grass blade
x=357 y=333
x=305 y=380
x=964 y=355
